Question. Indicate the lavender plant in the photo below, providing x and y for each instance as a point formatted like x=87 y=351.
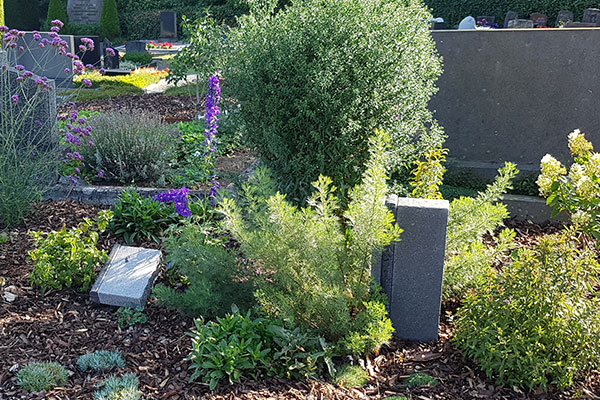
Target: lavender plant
x=29 y=140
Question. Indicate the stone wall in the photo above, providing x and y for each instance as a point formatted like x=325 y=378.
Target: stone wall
x=515 y=95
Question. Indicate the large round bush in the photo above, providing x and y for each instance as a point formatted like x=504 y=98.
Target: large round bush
x=315 y=80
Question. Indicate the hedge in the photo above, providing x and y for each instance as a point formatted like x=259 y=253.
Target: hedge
x=453 y=11
x=22 y=14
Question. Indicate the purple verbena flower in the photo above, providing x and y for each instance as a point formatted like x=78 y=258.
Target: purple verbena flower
x=110 y=51
x=15 y=98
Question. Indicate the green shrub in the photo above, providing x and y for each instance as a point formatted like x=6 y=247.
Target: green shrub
x=138 y=57
x=22 y=14
x=131 y=316
x=214 y=279
x=468 y=259
x=315 y=79
x=137 y=217
x=131 y=146
x=237 y=345
x=109 y=19
x=351 y=376
x=453 y=11
x=57 y=9
x=68 y=257
x=101 y=360
x=316 y=261
x=536 y=322
x=119 y=388
x=37 y=376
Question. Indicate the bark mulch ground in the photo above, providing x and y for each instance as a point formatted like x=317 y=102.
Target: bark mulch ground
x=62 y=326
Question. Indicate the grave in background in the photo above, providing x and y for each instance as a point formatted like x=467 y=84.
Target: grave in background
x=520 y=24
x=46 y=61
x=84 y=11
x=411 y=271
x=168 y=25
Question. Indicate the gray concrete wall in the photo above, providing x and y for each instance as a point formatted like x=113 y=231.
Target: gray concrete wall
x=515 y=95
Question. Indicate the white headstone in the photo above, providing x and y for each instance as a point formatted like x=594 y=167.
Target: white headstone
x=467 y=23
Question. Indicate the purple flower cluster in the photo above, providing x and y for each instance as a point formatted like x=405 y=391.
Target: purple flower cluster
x=213 y=99
x=214 y=187
x=76 y=132
x=179 y=197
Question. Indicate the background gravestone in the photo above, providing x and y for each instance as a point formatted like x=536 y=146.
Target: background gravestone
x=591 y=16
x=520 y=24
x=539 y=19
x=509 y=17
x=564 y=17
x=84 y=11
x=132 y=46
x=111 y=62
x=168 y=24
x=38 y=108
x=46 y=61
x=90 y=57
x=411 y=271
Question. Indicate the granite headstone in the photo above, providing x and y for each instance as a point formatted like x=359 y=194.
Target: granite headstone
x=91 y=57
x=46 y=61
x=539 y=19
x=467 y=23
x=520 y=24
x=511 y=15
x=132 y=46
x=591 y=16
x=411 y=271
x=564 y=17
x=84 y=11
x=168 y=24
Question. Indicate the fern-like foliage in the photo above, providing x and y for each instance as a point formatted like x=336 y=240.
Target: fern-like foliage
x=316 y=261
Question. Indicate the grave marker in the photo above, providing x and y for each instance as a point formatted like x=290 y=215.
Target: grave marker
x=46 y=61
x=592 y=16
x=91 y=56
x=539 y=19
x=564 y=17
x=520 y=24
x=127 y=277
x=411 y=271
x=467 y=23
x=111 y=62
x=84 y=11
x=132 y=46
x=168 y=24
x=511 y=15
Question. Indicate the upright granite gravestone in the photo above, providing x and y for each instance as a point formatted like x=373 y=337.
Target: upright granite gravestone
x=33 y=115
x=168 y=25
x=520 y=24
x=411 y=271
x=84 y=11
x=111 y=62
x=132 y=46
x=127 y=277
x=89 y=57
x=563 y=18
x=539 y=19
x=591 y=16
x=46 y=61
x=511 y=15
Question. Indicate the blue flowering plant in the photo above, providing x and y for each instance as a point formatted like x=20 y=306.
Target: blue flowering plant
x=199 y=144
x=29 y=149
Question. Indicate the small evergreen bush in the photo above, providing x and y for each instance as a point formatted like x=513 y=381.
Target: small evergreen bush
x=316 y=261
x=57 y=9
x=536 y=322
x=131 y=146
x=37 y=376
x=101 y=360
x=138 y=57
x=109 y=19
x=316 y=78
x=119 y=388
x=69 y=257
x=215 y=282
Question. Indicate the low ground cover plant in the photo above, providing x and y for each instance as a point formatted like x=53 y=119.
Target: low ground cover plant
x=137 y=217
x=316 y=261
x=101 y=360
x=129 y=317
x=38 y=376
x=140 y=78
x=536 y=322
x=351 y=376
x=130 y=146
x=69 y=257
x=238 y=345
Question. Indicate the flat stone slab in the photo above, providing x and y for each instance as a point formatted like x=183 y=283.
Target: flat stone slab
x=127 y=277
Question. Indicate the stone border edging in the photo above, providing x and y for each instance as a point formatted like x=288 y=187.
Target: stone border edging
x=530 y=208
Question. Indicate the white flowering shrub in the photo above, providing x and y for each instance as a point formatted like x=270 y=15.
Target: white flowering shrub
x=576 y=190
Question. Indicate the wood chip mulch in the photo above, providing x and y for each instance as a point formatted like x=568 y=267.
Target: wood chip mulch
x=61 y=326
